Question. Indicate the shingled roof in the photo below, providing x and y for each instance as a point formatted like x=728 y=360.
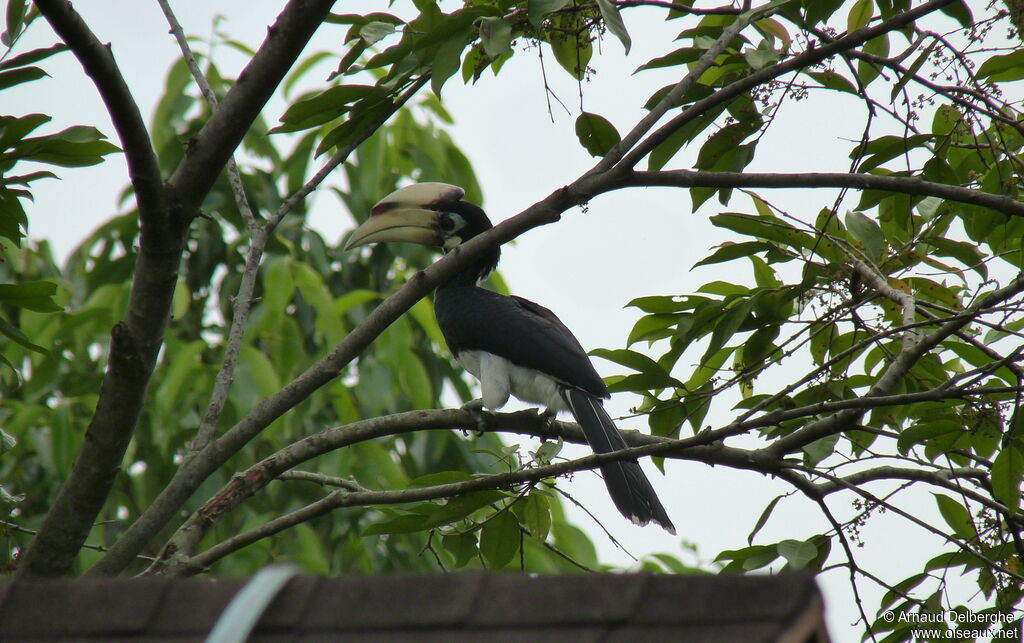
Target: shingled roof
x=448 y=607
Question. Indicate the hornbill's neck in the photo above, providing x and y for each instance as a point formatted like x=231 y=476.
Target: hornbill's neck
x=475 y=222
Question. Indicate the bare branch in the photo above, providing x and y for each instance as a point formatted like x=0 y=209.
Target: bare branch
x=904 y=185
x=810 y=57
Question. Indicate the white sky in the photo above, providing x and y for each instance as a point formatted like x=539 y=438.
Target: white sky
x=586 y=267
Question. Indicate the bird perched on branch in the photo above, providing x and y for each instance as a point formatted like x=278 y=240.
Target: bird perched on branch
x=510 y=344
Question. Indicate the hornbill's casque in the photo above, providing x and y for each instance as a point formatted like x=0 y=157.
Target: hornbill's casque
x=510 y=344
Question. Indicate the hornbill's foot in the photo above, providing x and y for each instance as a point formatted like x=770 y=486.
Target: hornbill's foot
x=476 y=409
x=547 y=419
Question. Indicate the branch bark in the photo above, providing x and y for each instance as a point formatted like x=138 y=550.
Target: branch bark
x=165 y=213
x=901 y=184
x=135 y=341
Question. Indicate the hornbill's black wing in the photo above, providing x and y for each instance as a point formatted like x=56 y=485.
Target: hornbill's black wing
x=529 y=335
x=525 y=333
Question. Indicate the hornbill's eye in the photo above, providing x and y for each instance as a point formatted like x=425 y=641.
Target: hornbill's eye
x=450 y=222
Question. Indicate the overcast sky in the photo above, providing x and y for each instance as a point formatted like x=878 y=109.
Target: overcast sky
x=585 y=268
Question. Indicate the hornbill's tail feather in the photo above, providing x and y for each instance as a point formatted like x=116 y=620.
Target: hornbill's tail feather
x=629 y=488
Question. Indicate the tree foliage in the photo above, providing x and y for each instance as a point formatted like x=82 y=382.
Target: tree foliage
x=861 y=348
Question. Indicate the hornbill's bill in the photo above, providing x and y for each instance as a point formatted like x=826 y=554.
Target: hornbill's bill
x=510 y=344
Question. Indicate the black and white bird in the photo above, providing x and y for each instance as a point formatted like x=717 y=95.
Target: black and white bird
x=511 y=345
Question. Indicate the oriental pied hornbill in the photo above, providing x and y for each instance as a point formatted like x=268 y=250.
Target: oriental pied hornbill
x=510 y=344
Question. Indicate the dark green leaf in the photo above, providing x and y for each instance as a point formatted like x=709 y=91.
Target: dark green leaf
x=537 y=515
x=325 y=106
x=912 y=70
x=678 y=57
x=612 y=20
x=499 y=540
x=33 y=295
x=860 y=15
x=832 y=80
x=19 y=76
x=537 y=9
x=597 y=135
x=14 y=333
x=867 y=232
x=797 y=553
x=957 y=517
x=33 y=56
x=462 y=547
x=495 y=36
x=960 y=12
x=1007 y=471
x=763 y=519
x=1004 y=68
x=878 y=46
x=448 y=59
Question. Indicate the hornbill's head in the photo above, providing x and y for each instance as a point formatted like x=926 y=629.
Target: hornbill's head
x=431 y=214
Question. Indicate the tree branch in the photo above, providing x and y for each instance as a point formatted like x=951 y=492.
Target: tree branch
x=895 y=371
x=901 y=184
x=135 y=341
x=211 y=148
x=810 y=57
x=200 y=465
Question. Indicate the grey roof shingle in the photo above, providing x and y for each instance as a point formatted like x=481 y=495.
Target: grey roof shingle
x=449 y=607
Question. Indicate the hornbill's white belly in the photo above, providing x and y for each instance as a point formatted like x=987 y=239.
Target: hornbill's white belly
x=499 y=377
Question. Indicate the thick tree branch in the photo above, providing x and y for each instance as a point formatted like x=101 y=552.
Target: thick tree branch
x=135 y=341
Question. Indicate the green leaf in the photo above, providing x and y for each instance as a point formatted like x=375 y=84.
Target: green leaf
x=462 y=547
x=867 y=232
x=912 y=71
x=924 y=431
x=769 y=228
x=1007 y=471
x=957 y=517
x=33 y=56
x=448 y=59
x=613 y=20
x=323 y=107
x=597 y=135
x=860 y=15
x=572 y=50
x=536 y=514
x=374 y=32
x=729 y=251
x=961 y=12
x=654 y=375
x=537 y=9
x=33 y=295
x=76 y=146
x=499 y=540
x=797 y=553
x=1004 y=68
x=16 y=11
x=678 y=57
x=14 y=334
x=832 y=80
x=878 y=46
x=19 y=76
x=495 y=36
x=764 y=518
